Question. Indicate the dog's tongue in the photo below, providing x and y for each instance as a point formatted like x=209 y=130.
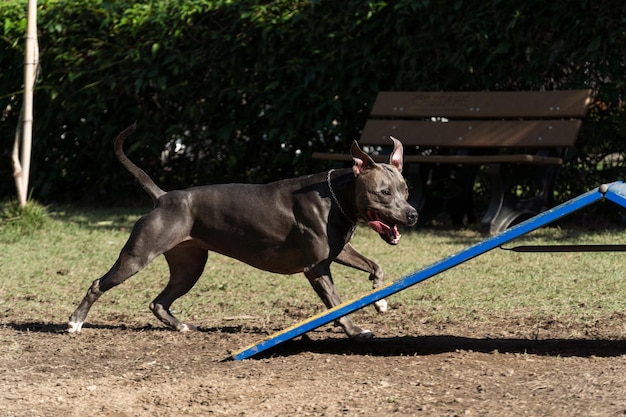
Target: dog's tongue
x=390 y=234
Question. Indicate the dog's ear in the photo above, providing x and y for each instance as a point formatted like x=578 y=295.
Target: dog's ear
x=362 y=161
x=397 y=155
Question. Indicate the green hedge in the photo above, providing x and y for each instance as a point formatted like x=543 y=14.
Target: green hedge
x=252 y=87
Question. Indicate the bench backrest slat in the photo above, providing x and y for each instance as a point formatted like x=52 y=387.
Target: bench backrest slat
x=475 y=133
x=483 y=104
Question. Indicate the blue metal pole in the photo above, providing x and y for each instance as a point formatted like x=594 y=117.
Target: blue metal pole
x=348 y=307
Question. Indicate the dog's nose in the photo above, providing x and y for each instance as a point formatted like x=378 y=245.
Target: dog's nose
x=411 y=216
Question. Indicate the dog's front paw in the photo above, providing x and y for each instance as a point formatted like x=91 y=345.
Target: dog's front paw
x=363 y=335
x=381 y=306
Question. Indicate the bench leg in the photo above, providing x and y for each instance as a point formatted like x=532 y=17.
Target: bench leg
x=416 y=188
x=518 y=192
x=447 y=189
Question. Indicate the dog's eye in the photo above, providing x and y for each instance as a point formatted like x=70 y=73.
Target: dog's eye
x=386 y=191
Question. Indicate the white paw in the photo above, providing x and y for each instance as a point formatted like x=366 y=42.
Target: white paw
x=74 y=327
x=188 y=328
x=381 y=306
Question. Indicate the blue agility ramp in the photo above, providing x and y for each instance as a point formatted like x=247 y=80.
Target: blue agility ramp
x=614 y=192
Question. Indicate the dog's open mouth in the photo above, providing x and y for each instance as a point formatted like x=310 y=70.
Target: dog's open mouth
x=384 y=227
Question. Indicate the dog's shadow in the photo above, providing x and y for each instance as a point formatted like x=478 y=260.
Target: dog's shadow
x=438 y=344
x=384 y=346
x=56 y=328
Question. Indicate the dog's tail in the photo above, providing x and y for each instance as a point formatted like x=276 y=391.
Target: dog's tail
x=146 y=182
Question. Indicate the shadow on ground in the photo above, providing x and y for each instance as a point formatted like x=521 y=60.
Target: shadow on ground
x=385 y=346
x=432 y=345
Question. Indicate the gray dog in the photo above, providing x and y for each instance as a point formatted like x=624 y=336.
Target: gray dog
x=295 y=225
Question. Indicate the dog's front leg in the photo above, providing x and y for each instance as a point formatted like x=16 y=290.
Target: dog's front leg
x=322 y=283
x=350 y=257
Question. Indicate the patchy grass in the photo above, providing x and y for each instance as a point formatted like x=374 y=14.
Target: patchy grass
x=47 y=271
x=17 y=222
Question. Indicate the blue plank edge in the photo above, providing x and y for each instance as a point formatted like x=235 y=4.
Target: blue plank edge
x=614 y=192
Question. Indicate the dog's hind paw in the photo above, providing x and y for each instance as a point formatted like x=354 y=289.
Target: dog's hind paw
x=74 y=327
x=381 y=306
x=188 y=328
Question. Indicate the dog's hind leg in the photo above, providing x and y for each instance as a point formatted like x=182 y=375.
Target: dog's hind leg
x=186 y=265
x=126 y=266
x=148 y=240
x=352 y=258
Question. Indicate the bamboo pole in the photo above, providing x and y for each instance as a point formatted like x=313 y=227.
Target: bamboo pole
x=21 y=166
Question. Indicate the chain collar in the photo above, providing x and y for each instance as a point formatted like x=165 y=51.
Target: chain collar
x=332 y=193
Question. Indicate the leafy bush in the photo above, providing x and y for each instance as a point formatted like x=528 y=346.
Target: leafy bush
x=246 y=90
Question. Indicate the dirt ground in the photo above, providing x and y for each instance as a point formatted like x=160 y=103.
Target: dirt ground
x=500 y=367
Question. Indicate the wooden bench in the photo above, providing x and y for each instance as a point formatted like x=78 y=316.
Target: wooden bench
x=520 y=137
